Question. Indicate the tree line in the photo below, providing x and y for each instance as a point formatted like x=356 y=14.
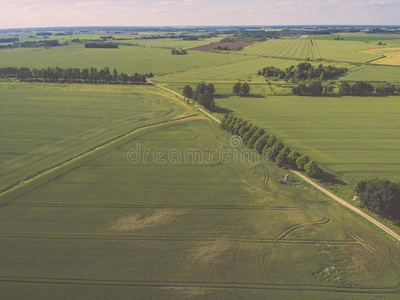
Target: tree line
x=178 y=51
x=44 y=33
x=9 y=40
x=268 y=145
x=358 y=88
x=313 y=89
x=101 y=45
x=381 y=196
x=34 y=44
x=89 y=75
x=303 y=71
x=361 y=88
x=204 y=94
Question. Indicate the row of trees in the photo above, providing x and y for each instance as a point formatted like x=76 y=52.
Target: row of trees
x=204 y=94
x=268 y=145
x=226 y=48
x=91 y=75
x=359 y=88
x=313 y=89
x=101 y=45
x=303 y=71
x=178 y=51
x=382 y=196
x=9 y=40
x=242 y=90
x=44 y=33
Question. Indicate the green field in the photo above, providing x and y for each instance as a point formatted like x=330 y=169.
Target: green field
x=84 y=221
x=321 y=49
x=128 y=59
x=107 y=228
x=353 y=137
x=44 y=125
x=374 y=73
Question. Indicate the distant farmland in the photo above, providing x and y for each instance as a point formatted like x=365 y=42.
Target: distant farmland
x=228 y=45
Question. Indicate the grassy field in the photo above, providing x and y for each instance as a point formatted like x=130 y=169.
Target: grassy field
x=321 y=49
x=374 y=73
x=301 y=49
x=182 y=222
x=128 y=59
x=353 y=137
x=106 y=228
x=43 y=125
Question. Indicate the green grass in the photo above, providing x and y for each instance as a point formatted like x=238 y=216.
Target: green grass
x=176 y=43
x=374 y=73
x=43 y=125
x=229 y=72
x=106 y=227
x=360 y=37
x=354 y=137
x=128 y=59
x=342 y=51
x=300 y=49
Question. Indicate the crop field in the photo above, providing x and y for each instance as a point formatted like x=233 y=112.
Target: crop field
x=374 y=73
x=353 y=137
x=300 y=49
x=321 y=49
x=391 y=56
x=175 y=43
x=44 y=125
x=245 y=70
x=229 y=72
x=361 y=37
x=119 y=191
x=128 y=59
x=229 y=45
x=152 y=229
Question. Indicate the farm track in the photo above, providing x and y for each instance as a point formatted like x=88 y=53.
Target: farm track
x=349 y=206
x=7 y=198
x=75 y=142
x=280 y=239
x=205 y=285
x=175 y=239
x=194 y=207
x=330 y=195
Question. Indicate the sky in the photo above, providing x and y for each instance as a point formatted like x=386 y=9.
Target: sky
x=50 y=13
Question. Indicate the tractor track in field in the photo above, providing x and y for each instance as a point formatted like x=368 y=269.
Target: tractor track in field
x=7 y=198
x=194 y=207
x=173 y=239
x=199 y=284
x=295 y=227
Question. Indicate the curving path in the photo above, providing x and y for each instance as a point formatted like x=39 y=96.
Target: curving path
x=349 y=206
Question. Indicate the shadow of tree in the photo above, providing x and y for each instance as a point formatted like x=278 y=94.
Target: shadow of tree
x=330 y=178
